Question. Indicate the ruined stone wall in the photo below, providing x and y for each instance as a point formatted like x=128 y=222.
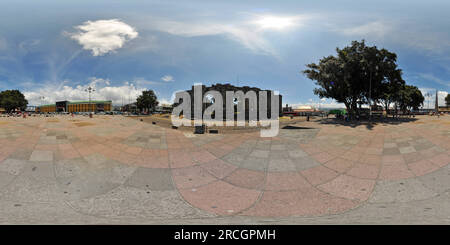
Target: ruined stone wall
x=223 y=88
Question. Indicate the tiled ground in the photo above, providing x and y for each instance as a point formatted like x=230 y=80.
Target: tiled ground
x=120 y=170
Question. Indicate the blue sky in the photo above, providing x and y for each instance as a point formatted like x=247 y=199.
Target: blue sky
x=56 y=49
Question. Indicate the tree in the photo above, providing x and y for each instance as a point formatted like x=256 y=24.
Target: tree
x=390 y=90
x=447 y=100
x=12 y=99
x=358 y=74
x=410 y=98
x=147 y=101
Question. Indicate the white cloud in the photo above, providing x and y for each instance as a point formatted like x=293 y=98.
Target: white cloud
x=144 y=82
x=103 y=91
x=103 y=36
x=400 y=32
x=249 y=39
x=249 y=33
x=319 y=103
x=376 y=29
x=437 y=80
x=164 y=101
x=167 y=78
x=271 y=22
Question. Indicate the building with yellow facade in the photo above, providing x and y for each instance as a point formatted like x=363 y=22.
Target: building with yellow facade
x=76 y=106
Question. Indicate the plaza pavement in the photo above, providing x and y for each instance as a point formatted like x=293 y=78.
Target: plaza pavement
x=116 y=170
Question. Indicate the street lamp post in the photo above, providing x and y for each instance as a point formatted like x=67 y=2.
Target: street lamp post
x=90 y=90
x=370 y=93
x=42 y=98
x=428 y=95
x=370 y=97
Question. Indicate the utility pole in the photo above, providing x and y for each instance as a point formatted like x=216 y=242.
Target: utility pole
x=437 y=103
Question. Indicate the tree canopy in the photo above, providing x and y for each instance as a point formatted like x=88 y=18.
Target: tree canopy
x=447 y=100
x=147 y=100
x=410 y=98
x=360 y=74
x=12 y=99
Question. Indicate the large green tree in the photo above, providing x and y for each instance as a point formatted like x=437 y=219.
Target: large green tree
x=410 y=98
x=147 y=100
x=447 y=100
x=12 y=99
x=358 y=74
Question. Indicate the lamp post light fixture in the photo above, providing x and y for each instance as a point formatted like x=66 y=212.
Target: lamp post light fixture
x=42 y=98
x=90 y=90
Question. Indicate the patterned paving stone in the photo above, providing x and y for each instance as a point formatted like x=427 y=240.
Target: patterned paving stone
x=400 y=191
x=283 y=181
x=191 y=177
x=260 y=154
x=41 y=156
x=21 y=154
x=406 y=149
x=131 y=170
x=297 y=154
x=438 y=181
x=5 y=179
x=422 y=167
x=77 y=179
x=364 y=171
x=391 y=151
x=319 y=175
x=129 y=202
x=281 y=165
x=221 y=198
x=218 y=168
x=12 y=166
x=349 y=187
x=246 y=178
x=395 y=171
x=35 y=184
x=236 y=158
x=304 y=163
x=340 y=165
x=151 y=179
x=303 y=202
x=181 y=159
x=95 y=159
x=322 y=157
x=255 y=163
x=441 y=160
x=390 y=145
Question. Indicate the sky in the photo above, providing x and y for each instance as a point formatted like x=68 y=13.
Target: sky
x=53 y=50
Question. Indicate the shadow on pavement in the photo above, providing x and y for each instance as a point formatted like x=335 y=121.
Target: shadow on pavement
x=295 y=127
x=365 y=122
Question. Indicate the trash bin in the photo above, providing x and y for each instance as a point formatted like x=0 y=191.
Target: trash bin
x=199 y=129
